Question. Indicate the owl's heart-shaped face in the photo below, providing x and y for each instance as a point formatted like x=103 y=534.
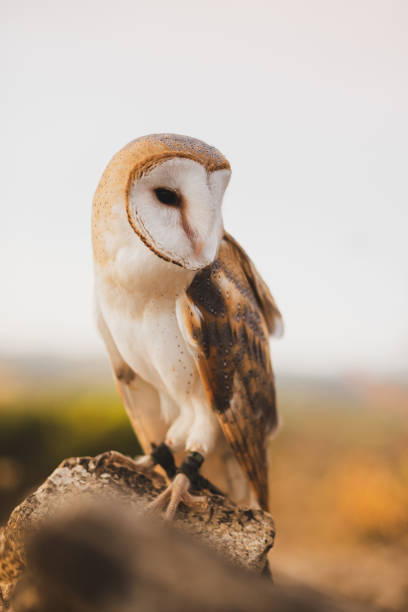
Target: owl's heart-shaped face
x=175 y=208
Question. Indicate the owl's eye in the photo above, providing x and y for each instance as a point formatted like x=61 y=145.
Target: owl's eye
x=167 y=196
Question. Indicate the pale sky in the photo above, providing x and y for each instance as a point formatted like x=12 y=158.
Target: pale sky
x=307 y=99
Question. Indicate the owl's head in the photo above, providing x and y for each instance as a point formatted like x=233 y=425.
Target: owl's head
x=171 y=188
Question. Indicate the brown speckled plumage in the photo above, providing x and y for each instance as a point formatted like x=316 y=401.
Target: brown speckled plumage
x=228 y=314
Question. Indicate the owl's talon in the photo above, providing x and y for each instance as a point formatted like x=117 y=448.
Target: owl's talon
x=178 y=489
x=114 y=457
x=195 y=499
x=176 y=492
x=141 y=463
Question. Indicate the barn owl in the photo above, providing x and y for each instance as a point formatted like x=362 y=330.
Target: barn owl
x=185 y=318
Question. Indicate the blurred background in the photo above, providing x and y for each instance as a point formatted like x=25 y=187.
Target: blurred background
x=308 y=101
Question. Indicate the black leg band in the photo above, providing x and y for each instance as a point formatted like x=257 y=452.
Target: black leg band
x=190 y=467
x=163 y=456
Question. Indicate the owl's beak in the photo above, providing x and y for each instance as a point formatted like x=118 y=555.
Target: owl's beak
x=198 y=246
x=194 y=237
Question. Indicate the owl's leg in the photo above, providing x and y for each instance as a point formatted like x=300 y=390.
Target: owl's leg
x=178 y=489
x=195 y=430
x=162 y=455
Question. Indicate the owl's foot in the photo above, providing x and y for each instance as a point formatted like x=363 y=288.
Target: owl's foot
x=114 y=457
x=178 y=490
x=160 y=455
x=173 y=495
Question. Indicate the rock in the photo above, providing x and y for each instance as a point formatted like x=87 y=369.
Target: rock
x=83 y=542
x=243 y=536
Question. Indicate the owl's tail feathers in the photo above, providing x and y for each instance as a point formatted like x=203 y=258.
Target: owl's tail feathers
x=222 y=469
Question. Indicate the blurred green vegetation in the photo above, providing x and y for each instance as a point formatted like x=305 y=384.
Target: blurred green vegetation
x=37 y=433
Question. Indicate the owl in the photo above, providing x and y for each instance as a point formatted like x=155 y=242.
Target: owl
x=186 y=318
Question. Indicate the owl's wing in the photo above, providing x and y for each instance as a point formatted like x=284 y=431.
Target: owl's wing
x=260 y=289
x=227 y=314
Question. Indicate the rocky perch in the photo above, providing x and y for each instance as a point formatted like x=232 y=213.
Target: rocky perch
x=244 y=536
x=84 y=542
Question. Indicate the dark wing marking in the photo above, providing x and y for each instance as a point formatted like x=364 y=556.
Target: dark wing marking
x=227 y=313
x=265 y=299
